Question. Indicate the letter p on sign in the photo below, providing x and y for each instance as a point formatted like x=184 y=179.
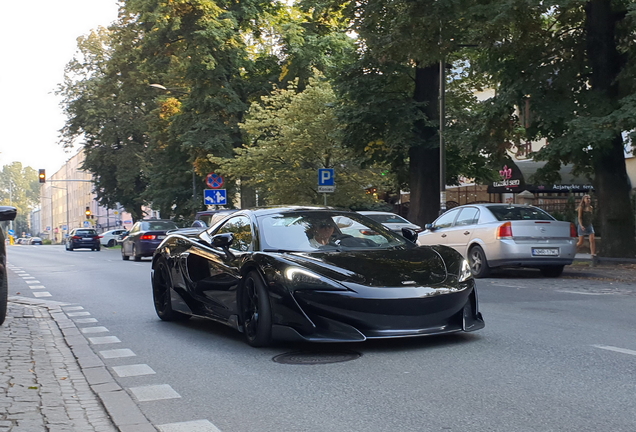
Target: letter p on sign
x=326 y=177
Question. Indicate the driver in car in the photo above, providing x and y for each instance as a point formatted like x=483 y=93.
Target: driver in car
x=320 y=232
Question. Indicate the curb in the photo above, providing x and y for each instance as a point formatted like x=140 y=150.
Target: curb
x=119 y=405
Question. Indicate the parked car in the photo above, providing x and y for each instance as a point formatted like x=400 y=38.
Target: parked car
x=79 y=238
x=262 y=272
x=392 y=221
x=503 y=235
x=35 y=241
x=21 y=241
x=208 y=218
x=109 y=238
x=144 y=237
x=6 y=214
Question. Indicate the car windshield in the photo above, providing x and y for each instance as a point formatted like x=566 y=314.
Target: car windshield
x=158 y=226
x=388 y=218
x=310 y=231
x=508 y=213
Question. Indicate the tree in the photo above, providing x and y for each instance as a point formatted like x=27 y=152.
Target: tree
x=573 y=62
x=20 y=188
x=293 y=134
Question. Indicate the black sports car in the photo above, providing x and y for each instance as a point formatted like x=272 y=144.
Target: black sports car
x=292 y=274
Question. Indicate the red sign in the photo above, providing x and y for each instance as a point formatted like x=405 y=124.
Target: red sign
x=214 y=181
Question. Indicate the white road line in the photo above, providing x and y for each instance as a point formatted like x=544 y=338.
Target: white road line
x=616 y=349
x=33 y=282
x=104 y=340
x=86 y=330
x=76 y=314
x=189 y=426
x=72 y=308
x=85 y=320
x=27 y=277
x=582 y=293
x=133 y=370
x=41 y=294
x=154 y=392
x=37 y=287
x=117 y=353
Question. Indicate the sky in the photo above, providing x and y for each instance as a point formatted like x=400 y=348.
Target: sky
x=39 y=39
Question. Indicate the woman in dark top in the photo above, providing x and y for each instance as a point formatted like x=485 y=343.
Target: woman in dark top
x=585 y=215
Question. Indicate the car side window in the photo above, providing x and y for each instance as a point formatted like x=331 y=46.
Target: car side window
x=467 y=216
x=445 y=220
x=241 y=228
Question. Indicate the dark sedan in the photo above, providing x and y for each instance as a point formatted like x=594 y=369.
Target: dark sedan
x=6 y=214
x=79 y=238
x=144 y=237
x=291 y=274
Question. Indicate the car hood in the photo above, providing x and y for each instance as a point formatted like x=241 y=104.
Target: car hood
x=420 y=266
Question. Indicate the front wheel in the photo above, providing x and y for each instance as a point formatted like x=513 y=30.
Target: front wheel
x=134 y=253
x=161 y=286
x=552 y=271
x=478 y=262
x=256 y=311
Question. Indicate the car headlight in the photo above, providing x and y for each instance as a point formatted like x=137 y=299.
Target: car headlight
x=464 y=271
x=300 y=278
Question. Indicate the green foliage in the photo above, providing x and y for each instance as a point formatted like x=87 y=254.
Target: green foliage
x=292 y=135
x=20 y=188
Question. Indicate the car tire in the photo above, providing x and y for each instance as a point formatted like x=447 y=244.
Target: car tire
x=70 y=247
x=256 y=311
x=111 y=243
x=134 y=254
x=478 y=262
x=4 y=297
x=552 y=271
x=161 y=286
x=123 y=255
x=98 y=248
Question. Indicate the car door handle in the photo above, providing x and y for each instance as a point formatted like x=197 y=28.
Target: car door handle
x=443 y=235
x=466 y=232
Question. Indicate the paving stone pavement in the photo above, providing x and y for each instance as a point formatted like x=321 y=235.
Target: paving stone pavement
x=52 y=381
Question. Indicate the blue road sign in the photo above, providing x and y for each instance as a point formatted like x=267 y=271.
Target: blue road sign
x=11 y=232
x=326 y=177
x=215 y=196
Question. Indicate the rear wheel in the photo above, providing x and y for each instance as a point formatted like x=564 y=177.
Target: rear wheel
x=4 y=293
x=70 y=246
x=111 y=243
x=256 y=311
x=161 y=285
x=478 y=263
x=552 y=271
x=134 y=253
x=98 y=248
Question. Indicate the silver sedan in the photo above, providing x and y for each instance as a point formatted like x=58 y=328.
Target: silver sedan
x=504 y=235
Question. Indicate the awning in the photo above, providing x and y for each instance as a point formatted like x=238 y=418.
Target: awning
x=515 y=178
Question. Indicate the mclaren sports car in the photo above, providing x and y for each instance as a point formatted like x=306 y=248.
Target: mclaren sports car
x=298 y=274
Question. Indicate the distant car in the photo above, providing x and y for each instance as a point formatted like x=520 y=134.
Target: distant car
x=289 y=273
x=392 y=221
x=86 y=238
x=144 y=237
x=109 y=238
x=6 y=214
x=504 y=235
x=21 y=241
x=35 y=241
x=208 y=218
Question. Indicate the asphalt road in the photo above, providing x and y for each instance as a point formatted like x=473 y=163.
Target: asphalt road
x=556 y=355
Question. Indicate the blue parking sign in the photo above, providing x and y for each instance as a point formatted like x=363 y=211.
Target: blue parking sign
x=326 y=177
x=215 y=196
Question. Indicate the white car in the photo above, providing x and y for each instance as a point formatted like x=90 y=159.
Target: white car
x=504 y=235
x=392 y=221
x=109 y=238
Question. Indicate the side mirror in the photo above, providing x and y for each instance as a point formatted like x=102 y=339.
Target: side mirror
x=223 y=241
x=429 y=227
x=7 y=213
x=409 y=234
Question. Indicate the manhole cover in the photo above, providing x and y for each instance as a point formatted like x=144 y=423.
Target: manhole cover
x=316 y=357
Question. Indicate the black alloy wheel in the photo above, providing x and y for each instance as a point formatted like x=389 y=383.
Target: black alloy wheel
x=70 y=246
x=111 y=243
x=134 y=254
x=552 y=271
x=478 y=262
x=256 y=311
x=123 y=255
x=161 y=284
x=4 y=297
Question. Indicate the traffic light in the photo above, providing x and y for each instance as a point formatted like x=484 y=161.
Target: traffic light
x=42 y=175
x=88 y=212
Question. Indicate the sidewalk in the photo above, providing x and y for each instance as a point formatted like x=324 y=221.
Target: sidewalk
x=52 y=381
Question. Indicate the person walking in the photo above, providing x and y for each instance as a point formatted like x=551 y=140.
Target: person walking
x=585 y=228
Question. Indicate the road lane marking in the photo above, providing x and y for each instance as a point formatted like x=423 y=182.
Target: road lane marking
x=72 y=308
x=93 y=330
x=37 y=287
x=189 y=426
x=154 y=392
x=33 y=282
x=582 y=293
x=133 y=370
x=76 y=314
x=85 y=320
x=616 y=349
x=42 y=294
x=117 y=353
x=104 y=340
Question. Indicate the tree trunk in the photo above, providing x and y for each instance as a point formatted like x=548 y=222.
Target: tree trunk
x=424 y=165
x=611 y=180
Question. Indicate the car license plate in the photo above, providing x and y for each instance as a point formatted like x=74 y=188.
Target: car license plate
x=161 y=237
x=87 y=239
x=545 y=251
